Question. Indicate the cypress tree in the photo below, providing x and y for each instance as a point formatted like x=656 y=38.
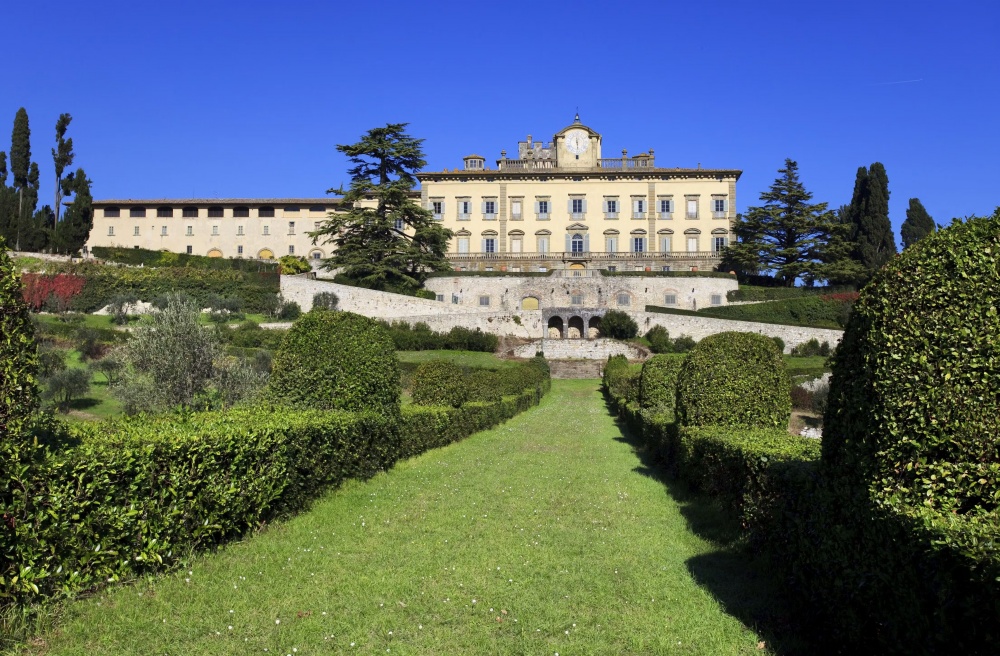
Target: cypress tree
x=874 y=242
x=918 y=223
x=62 y=156
x=8 y=204
x=72 y=232
x=20 y=160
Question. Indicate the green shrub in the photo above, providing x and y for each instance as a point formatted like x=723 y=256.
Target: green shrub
x=621 y=380
x=18 y=363
x=162 y=259
x=420 y=337
x=65 y=385
x=659 y=339
x=780 y=343
x=439 y=382
x=810 y=348
x=289 y=311
x=291 y=265
x=818 y=311
x=658 y=382
x=734 y=379
x=616 y=324
x=684 y=344
x=249 y=334
x=325 y=301
x=337 y=360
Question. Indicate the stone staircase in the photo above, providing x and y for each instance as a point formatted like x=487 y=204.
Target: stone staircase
x=562 y=369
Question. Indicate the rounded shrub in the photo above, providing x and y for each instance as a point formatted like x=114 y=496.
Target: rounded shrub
x=658 y=382
x=913 y=411
x=734 y=379
x=618 y=325
x=439 y=382
x=18 y=364
x=336 y=361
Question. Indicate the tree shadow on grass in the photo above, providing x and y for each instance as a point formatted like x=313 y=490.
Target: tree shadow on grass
x=742 y=582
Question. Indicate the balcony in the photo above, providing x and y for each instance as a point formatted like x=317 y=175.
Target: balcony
x=525 y=164
x=591 y=256
x=626 y=163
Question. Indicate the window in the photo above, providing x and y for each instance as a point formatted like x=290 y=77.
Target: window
x=489 y=244
x=239 y=250
x=515 y=244
x=666 y=244
x=719 y=243
x=398 y=225
x=317 y=208
x=515 y=209
x=135 y=231
x=437 y=208
x=291 y=250
x=239 y=231
x=267 y=230
x=316 y=255
x=638 y=208
x=612 y=244
x=265 y=212
x=163 y=231
x=215 y=231
x=610 y=208
x=692 y=244
x=665 y=268
x=292 y=209
x=317 y=225
x=638 y=244
x=189 y=213
x=666 y=208
x=164 y=212
x=215 y=213
x=454 y=297
x=577 y=207
x=463 y=244
x=112 y=212
x=623 y=299
x=464 y=209
x=719 y=207
x=716 y=299
x=543 y=244
x=190 y=250
x=576 y=299
x=490 y=209
x=241 y=212
x=190 y=231
x=484 y=301
x=137 y=212
x=576 y=244
x=439 y=298
x=692 y=208
x=291 y=227
x=111 y=231
x=542 y=209
x=612 y=268
x=670 y=299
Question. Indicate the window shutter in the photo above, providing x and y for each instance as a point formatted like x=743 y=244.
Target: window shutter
x=636 y=206
x=586 y=243
x=584 y=205
x=606 y=206
x=725 y=205
x=538 y=207
x=442 y=207
x=483 y=246
x=482 y=206
x=569 y=206
x=569 y=243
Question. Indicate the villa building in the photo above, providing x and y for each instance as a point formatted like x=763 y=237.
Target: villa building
x=557 y=205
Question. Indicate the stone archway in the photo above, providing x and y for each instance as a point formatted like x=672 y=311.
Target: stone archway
x=555 y=329
x=575 y=330
x=265 y=254
x=593 y=328
x=215 y=252
x=529 y=303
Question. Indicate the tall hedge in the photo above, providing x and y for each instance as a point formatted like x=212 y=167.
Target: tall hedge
x=18 y=366
x=658 y=382
x=734 y=379
x=336 y=360
x=440 y=382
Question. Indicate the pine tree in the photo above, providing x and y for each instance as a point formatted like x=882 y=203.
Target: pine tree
x=918 y=223
x=370 y=247
x=787 y=235
x=874 y=242
x=62 y=156
x=72 y=232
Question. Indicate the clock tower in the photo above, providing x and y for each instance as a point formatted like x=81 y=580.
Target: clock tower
x=577 y=146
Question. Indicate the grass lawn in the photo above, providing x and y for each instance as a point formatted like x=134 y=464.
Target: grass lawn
x=548 y=534
x=98 y=403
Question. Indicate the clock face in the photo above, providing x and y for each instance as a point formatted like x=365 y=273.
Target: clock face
x=577 y=141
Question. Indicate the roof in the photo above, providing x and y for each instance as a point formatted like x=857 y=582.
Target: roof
x=473 y=156
x=220 y=201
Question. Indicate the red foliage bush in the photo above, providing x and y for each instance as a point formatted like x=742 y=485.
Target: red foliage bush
x=38 y=288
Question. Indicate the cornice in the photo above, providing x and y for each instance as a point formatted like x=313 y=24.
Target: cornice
x=536 y=175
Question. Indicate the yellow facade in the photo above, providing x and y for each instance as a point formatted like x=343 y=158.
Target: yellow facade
x=561 y=204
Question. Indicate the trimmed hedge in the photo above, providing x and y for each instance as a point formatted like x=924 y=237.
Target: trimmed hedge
x=336 y=361
x=420 y=337
x=439 y=382
x=621 y=380
x=756 y=293
x=734 y=379
x=815 y=311
x=658 y=382
x=668 y=274
x=159 y=259
x=18 y=362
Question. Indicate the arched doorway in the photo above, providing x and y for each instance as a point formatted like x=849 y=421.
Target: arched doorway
x=555 y=328
x=575 y=328
x=215 y=252
x=265 y=254
x=594 y=328
x=529 y=303
x=576 y=269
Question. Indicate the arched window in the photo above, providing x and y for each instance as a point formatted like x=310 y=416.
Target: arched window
x=577 y=243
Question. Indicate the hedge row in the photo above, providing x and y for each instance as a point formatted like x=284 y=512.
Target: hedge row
x=826 y=311
x=439 y=382
x=135 y=496
x=757 y=293
x=420 y=337
x=149 y=258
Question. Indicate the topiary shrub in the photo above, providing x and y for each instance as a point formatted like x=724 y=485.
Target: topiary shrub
x=616 y=324
x=913 y=405
x=658 y=382
x=18 y=365
x=325 y=301
x=734 y=379
x=439 y=382
x=336 y=360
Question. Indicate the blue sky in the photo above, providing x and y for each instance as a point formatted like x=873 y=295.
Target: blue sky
x=225 y=99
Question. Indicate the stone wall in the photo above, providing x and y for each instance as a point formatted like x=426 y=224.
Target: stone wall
x=579 y=349
x=699 y=328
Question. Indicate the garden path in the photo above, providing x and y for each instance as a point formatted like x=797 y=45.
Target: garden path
x=545 y=535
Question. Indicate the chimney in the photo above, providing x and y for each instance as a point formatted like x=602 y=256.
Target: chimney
x=529 y=141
